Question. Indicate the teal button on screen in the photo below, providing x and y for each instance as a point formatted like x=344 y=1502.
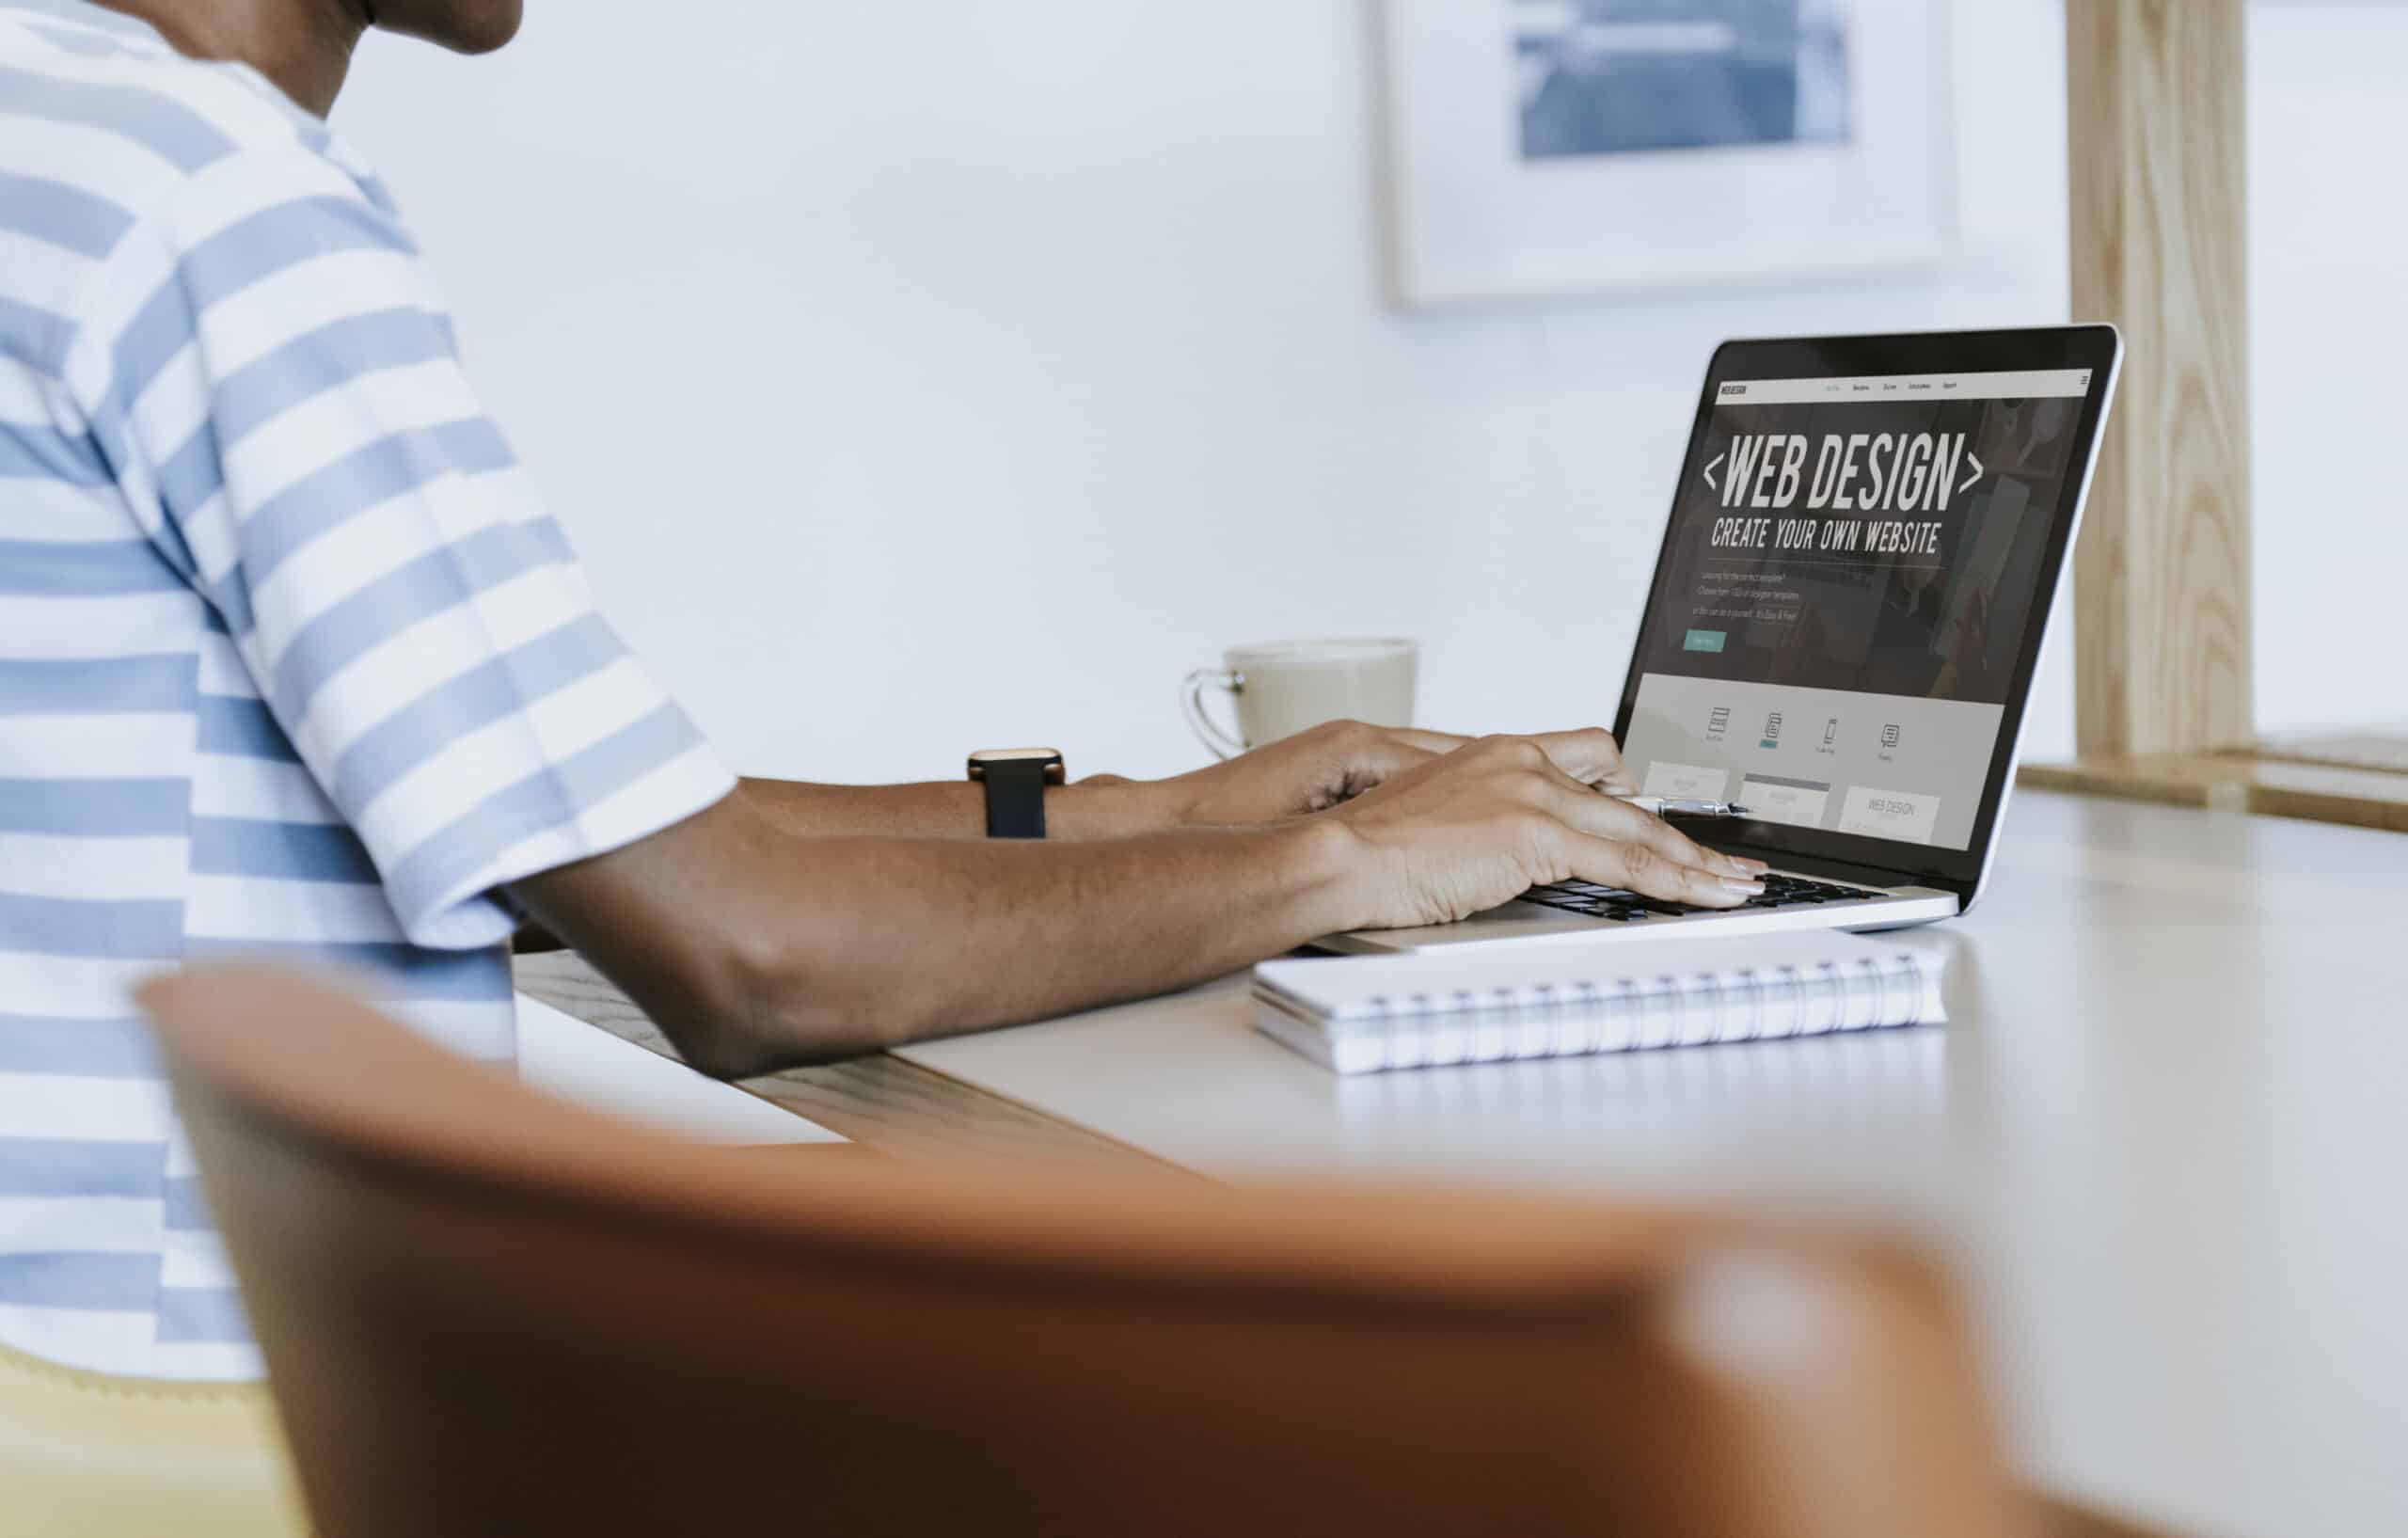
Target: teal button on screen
x=1702 y=641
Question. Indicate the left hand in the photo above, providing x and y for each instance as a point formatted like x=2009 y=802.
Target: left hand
x=1339 y=760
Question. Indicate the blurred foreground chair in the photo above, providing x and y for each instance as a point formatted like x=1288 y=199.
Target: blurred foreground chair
x=486 y=1312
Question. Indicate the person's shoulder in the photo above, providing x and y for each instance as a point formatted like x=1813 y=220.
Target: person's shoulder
x=128 y=121
x=123 y=160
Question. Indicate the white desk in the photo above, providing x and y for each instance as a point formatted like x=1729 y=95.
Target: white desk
x=2166 y=1137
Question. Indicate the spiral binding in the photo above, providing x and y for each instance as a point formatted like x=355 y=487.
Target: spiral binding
x=1618 y=1014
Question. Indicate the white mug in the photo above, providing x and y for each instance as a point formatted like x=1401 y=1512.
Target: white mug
x=1282 y=688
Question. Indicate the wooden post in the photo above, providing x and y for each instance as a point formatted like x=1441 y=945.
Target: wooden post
x=2162 y=707
x=2155 y=149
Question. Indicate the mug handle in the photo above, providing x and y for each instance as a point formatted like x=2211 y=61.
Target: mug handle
x=1207 y=730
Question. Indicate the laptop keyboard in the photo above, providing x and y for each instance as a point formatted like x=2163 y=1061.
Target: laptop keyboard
x=1624 y=907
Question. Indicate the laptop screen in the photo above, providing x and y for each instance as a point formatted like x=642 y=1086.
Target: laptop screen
x=1837 y=635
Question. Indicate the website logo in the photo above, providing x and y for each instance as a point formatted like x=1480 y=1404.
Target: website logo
x=1870 y=472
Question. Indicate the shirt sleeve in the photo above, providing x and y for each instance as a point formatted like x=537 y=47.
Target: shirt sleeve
x=265 y=360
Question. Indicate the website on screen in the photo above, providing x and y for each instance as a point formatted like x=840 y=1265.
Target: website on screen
x=1853 y=570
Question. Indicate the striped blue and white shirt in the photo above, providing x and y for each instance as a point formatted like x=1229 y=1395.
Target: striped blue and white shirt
x=293 y=663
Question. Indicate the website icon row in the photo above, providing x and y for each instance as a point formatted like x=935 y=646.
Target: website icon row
x=1718 y=727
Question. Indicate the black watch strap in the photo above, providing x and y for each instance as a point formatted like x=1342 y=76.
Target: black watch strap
x=1015 y=781
x=1015 y=797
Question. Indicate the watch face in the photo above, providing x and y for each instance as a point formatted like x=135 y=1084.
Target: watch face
x=1050 y=757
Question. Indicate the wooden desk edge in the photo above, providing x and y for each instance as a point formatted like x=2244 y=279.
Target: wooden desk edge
x=882 y=1103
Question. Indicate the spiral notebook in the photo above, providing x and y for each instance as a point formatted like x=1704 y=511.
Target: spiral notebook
x=1368 y=1014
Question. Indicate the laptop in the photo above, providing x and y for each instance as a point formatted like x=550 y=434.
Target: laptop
x=1842 y=626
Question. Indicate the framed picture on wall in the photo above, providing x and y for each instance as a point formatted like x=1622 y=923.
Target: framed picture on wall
x=1536 y=148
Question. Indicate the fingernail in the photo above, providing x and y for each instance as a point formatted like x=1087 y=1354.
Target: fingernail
x=1745 y=863
x=1748 y=885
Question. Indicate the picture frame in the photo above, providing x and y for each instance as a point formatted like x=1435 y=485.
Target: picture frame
x=1535 y=149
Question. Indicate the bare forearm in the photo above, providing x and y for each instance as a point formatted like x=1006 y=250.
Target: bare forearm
x=1101 y=806
x=788 y=950
x=765 y=930
x=944 y=938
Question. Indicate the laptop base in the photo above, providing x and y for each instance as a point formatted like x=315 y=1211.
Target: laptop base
x=1522 y=922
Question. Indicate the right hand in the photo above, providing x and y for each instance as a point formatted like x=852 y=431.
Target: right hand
x=1331 y=764
x=1481 y=825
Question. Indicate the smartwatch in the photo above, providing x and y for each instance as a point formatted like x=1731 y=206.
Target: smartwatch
x=1016 y=779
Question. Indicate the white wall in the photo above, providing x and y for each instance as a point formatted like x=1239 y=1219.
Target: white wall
x=2328 y=339
x=914 y=377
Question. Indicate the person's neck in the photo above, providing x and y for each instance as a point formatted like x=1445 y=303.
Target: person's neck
x=303 y=46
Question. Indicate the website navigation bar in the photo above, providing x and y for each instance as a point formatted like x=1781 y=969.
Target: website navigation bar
x=2023 y=384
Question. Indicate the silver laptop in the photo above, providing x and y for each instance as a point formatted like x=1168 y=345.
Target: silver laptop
x=1844 y=624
